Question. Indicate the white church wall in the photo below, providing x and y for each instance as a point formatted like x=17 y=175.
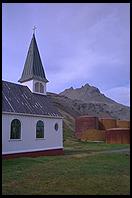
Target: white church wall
x=52 y=139
x=29 y=84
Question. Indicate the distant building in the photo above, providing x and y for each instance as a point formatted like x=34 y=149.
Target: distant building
x=31 y=124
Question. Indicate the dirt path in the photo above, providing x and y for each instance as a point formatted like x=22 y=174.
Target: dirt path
x=126 y=150
x=78 y=155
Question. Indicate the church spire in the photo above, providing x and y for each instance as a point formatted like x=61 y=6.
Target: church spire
x=33 y=74
x=33 y=68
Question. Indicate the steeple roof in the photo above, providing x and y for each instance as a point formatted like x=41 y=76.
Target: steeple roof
x=33 y=68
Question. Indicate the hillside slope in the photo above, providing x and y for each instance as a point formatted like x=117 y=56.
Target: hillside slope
x=87 y=100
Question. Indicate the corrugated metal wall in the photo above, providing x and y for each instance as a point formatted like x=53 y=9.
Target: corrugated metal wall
x=83 y=123
x=106 y=129
x=106 y=123
x=93 y=135
x=118 y=136
x=122 y=123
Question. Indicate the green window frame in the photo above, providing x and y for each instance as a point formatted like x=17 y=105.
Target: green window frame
x=40 y=129
x=15 y=132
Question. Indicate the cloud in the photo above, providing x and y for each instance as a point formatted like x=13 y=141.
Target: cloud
x=91 y=47
x=119 y=94
x=78 y=44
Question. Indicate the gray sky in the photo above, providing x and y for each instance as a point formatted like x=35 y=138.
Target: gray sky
x=78 y=43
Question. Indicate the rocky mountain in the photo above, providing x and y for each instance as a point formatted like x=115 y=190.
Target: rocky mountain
x=87 y=94
x=87 y=100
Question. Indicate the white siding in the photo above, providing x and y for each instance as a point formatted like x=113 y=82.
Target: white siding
x=31 y=85
x=52 y=139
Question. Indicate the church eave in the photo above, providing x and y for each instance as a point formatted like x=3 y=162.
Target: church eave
x=32 y=115
x=22 y=80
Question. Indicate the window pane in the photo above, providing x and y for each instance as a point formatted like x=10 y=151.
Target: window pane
x=37 y=86
x=40 y=129
x=56 y=127
x=15 y=129
x=41 y=88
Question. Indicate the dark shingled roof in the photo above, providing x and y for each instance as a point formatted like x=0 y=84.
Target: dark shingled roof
x=33 y=68
x=19 y=99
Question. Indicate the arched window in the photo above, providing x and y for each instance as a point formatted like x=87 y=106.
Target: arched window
x=37 y=86
x=15 y=129
x=41 y=88
x=40 y=129
x=56 y=127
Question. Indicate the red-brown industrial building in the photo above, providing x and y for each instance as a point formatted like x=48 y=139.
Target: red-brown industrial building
x=118 y=136
x=83 y=123
x=114 y=134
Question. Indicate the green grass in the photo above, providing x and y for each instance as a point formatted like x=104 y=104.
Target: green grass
x=71 y=144
x=75 y=173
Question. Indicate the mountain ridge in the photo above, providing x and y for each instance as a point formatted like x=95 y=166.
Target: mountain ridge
x=87 y=100
x=87 y=94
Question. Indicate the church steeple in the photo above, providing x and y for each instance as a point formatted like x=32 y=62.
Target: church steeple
x=33 y=71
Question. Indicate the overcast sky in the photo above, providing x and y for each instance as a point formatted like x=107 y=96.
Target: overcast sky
x=78 y=43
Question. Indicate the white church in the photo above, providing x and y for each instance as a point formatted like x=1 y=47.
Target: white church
x=31 y=124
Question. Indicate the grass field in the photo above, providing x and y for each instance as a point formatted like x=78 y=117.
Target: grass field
x=80 y=171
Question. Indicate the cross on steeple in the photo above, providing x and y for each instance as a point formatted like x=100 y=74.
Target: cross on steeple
x=34 y=29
